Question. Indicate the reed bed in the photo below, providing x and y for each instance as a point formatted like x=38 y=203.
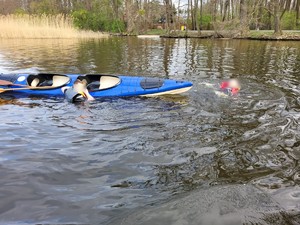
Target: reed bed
x=42 y=26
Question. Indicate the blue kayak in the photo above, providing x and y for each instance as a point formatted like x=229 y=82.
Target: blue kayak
x=98 y=85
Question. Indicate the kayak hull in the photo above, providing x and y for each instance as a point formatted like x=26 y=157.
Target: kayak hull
x=100 y=85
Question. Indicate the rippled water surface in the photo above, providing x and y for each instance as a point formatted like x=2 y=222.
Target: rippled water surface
x=93 y=162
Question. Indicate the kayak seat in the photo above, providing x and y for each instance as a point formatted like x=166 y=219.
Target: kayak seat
x=108 y=82
x=45 y=83
x=38 y=81
x=42 y=80
x=93 y=86
x=35 y=82
x=59 y=80
x=105 y=82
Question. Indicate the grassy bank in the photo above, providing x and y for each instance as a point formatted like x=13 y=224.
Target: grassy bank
x=42 y=26
x=253 y=34
x=269 y=35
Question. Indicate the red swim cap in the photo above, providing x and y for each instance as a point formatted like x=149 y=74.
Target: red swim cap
x=224 y=84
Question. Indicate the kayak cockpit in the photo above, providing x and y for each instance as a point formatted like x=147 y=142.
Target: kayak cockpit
x=48 y=80
x=84 y=84
x=100 y=82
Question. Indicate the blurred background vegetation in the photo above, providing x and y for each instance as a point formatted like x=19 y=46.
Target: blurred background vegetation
x=165 y=16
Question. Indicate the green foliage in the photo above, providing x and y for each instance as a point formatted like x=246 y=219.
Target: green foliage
x=117 y=26
x=100 y=17
x=80 y=18
x=205 y=21
x=265 y=22
x=141 y=12
x=288 y=21
x=20 y=11
x=189 y=24
x=96 y=21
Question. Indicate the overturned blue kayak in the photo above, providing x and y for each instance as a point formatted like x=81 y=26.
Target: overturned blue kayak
x=98 y=85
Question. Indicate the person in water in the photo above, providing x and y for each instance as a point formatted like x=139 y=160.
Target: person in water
x=231 y=86
x=79 y=91
x=80 y=85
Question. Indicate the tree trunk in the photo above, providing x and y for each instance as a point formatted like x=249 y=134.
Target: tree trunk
x=221 y=7
x=168 y=5
x=130 y=14
x=225 y=9
x=188 y=17
x=201 y=14
x=243 y=18
x=232 y=10
x=277 y=27
x=196 y=3
x=115 y=8
x=214 y=10
x=192 y=15
x=297 y=12
x=259 y=15
x=178 y=15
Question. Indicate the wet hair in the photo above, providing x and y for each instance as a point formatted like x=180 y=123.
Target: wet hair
x=81 y=78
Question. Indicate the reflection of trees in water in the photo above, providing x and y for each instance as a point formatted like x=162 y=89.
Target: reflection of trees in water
x=182 y=58
x=42 y=54
x=131 y=55
x=6 y=99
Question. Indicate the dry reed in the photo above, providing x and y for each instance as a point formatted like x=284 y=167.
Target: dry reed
x=42 y=26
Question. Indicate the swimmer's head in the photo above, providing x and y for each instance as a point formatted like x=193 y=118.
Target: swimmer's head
x=234 y=83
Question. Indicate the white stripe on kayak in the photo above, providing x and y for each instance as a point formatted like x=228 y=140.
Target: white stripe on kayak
x=172 y=92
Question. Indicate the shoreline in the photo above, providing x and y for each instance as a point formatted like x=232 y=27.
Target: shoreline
x=253 y=35
x=265 y=38
x=105 y=35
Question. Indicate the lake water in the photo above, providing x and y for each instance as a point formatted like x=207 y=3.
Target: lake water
x=93 y=162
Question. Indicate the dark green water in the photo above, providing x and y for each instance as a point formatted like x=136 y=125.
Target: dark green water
x=94 y=162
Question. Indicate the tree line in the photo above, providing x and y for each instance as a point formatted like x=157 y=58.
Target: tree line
x=138 y=16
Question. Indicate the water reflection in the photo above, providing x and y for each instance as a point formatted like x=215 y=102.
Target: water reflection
x=96 y=160
x=155 y=57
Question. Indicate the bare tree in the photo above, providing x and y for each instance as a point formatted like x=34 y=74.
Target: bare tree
x=168 y=5
x=243 y=18
x=297 y=8
x=196 y=11
x=226 y=6
x=201 y=14
x=129 y=16
x=277 y=8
